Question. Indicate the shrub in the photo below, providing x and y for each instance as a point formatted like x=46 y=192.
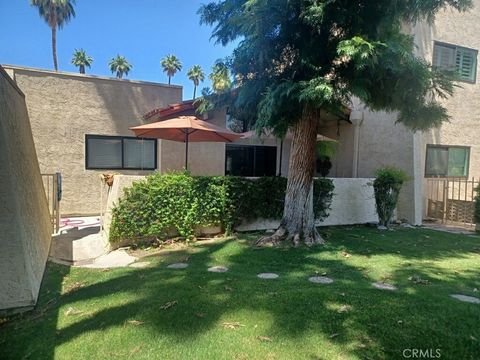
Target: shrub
x=164 y=205
x=477 y=206
x=387 y=185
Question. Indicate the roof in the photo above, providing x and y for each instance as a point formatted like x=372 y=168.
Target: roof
x=85 y=76
x=170 y=110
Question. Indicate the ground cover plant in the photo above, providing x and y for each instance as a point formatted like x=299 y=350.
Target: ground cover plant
x=156 y=312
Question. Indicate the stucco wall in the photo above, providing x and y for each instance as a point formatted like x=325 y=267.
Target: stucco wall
x=25 y=227
x=203 y=158
x=353 y=203
x=461 y=29
x=63 y=107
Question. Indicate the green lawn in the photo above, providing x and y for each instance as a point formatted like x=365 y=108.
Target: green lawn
x=125 y=313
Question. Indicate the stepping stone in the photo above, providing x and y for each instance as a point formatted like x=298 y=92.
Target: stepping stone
x=218 y=269
x=177 y=266
x=465 y=298
x=320 y=280
x=140 y=264
x=267 y=276
x=383 y=286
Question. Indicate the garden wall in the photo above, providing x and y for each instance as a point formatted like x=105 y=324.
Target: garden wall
x=353 y=203
x=25 y=227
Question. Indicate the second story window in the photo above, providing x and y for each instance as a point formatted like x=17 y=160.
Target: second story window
x=457 y=59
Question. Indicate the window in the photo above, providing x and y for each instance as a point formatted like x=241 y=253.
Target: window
x=447 y=161
x=248 y=160
x=120 y=152
x=462 y=61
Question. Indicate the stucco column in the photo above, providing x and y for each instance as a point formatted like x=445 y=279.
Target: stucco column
x=356 y=118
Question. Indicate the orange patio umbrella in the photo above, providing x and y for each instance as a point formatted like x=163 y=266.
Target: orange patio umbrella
x=185 y=129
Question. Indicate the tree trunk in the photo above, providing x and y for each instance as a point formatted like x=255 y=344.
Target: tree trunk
x=169 y=78
x=82 y=69
x=54 y=47
x=194 y=91
x=298 y=221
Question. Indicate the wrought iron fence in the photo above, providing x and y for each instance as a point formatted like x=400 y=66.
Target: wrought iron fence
x=451 y=200
x=52 y=184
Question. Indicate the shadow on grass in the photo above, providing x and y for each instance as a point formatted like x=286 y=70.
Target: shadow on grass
x=349 y=314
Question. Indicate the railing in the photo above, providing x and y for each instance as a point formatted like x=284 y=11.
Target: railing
x=52 y=184
x=451 y=200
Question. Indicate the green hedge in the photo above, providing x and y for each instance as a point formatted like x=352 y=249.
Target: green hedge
x=179 y=203
x=387 y=185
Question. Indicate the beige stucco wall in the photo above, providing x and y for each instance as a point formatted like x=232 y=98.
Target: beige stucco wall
x=63 y=107
x=25 y=227
x=203 y=158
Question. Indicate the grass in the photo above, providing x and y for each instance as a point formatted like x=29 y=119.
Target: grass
x=158 y=313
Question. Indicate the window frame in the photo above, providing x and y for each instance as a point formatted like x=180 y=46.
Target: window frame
x=120 y=137
x=254 y=158
x=456 y=47
x=434 y=146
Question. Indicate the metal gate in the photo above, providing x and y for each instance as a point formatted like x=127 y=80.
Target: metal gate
x=451 y=200
x=52 y=184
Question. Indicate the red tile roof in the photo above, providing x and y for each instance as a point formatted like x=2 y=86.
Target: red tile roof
x=170 y=110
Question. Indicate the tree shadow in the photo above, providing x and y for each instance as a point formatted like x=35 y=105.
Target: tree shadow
x=348 y=314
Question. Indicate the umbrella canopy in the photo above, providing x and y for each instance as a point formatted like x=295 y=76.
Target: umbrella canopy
x=185 y=129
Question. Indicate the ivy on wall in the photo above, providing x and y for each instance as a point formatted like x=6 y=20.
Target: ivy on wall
x=178 y=203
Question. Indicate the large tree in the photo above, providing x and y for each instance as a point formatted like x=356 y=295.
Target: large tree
x=196 y=75
x=297 y=59
x=171 y=64
x=56 y=14
x=120 y=66
x=81 y=60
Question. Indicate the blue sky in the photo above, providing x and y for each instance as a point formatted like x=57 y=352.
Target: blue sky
x=143 y=31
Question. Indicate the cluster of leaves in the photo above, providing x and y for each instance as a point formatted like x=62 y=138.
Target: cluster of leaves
x=293 y=54
x=477 y=206
x=166 y=205
x=387 y=185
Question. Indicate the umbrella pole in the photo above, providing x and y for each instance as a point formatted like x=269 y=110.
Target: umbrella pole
x=186 y=150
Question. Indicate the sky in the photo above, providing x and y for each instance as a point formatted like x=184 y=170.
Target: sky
x=143 y=31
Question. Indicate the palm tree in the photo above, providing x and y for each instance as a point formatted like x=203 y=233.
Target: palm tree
x=56 y=13
x=171 y=65
x=81 y=60
x=120 y=66
x=220 y=77
x=196 y=75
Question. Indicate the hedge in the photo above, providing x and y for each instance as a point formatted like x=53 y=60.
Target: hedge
x=179 y=203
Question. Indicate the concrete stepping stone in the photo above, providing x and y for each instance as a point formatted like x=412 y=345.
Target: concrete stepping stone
x=140 y=264
x=465 y=298
x=384 y=286
x=320 y=280
x=218 y=269
x=178 y=266
x=267 y=276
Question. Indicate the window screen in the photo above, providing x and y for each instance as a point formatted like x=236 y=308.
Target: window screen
x=447 y=161
x=462 y=61
x=247 y=160
x=120 y=152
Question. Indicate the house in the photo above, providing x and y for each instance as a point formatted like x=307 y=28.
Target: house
x=80 y=127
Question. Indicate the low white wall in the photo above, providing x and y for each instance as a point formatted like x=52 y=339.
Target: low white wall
x=353 y=203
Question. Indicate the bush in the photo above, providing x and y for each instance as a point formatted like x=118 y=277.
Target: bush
x=477 y=206
x=165 y=205
x=387 y=185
